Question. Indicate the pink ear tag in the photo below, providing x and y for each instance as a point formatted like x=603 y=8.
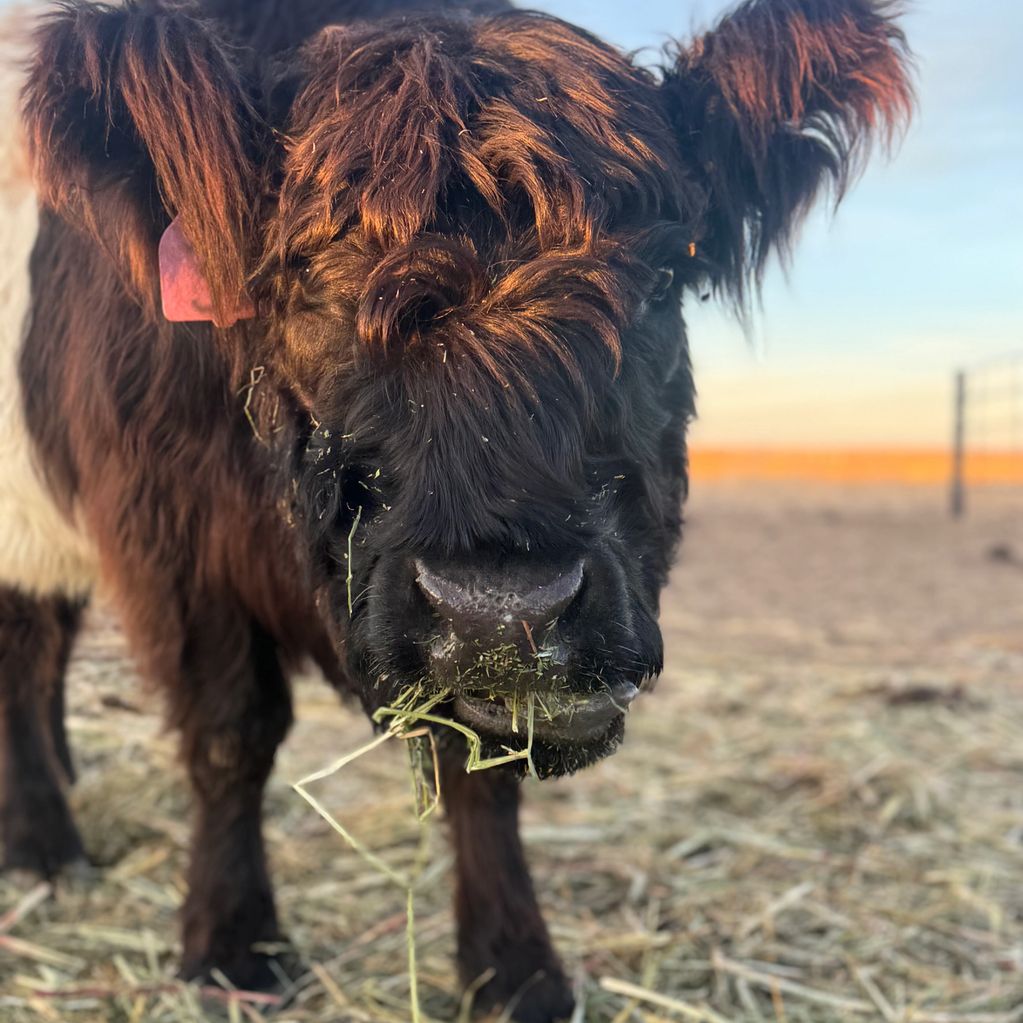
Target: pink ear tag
x=184 y=290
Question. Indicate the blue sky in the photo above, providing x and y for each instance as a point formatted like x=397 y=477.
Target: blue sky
x=919 y=272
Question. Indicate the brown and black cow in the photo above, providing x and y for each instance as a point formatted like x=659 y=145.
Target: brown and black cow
x=424 y=399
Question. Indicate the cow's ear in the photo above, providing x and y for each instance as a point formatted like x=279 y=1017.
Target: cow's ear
x=137 y=116
x=780 y=100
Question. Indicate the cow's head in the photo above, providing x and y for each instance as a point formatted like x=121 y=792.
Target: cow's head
x=468 y=244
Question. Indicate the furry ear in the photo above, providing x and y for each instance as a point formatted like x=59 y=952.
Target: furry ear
x=781 y=99
x=135 y=115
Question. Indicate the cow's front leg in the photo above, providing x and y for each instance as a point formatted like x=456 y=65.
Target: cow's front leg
x=233 y=708
x=501 y=932
x=35 y=764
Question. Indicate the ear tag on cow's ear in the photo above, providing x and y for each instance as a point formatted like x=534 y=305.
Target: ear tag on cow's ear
x=184 y=291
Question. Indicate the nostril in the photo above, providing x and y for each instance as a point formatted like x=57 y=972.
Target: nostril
x=547 y=601
x=478 y=600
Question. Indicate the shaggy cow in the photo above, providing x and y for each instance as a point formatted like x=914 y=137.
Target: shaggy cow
x=426 y=420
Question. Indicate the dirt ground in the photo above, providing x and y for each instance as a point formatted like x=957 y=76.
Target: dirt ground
x=817 y=816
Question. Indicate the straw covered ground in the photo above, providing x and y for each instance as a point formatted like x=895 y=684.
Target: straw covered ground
x=818 y=815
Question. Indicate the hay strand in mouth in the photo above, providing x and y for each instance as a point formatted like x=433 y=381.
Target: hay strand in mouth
x=408 y=720
x=475 y=761
x=425 y=768
x=367 y=854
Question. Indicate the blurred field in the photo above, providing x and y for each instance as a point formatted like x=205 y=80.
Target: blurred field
x=818 y=815
x=927 y=467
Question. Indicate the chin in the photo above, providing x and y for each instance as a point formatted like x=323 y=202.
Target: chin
x=566 y=738
x=553 y=759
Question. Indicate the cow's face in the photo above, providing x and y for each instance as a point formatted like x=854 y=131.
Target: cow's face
x=471 y=245
x=475 y=281
x=494 y=474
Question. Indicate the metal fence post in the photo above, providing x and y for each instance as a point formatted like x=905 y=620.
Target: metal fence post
x=958 y=502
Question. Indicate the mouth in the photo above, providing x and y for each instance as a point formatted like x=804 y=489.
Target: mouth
x=557 y=717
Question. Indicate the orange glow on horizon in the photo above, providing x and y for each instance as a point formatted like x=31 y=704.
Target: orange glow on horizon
x=910 y=466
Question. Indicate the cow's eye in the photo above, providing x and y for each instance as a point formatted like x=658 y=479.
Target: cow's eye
x=665 y=278
x=299 y=266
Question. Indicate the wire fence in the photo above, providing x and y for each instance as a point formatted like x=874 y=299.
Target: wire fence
x=988 y=423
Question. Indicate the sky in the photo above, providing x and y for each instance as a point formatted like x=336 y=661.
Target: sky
x=919 y=273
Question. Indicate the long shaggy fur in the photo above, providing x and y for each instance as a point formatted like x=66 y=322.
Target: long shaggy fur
x=148 y=109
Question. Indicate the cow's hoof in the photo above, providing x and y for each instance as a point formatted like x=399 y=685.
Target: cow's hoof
x=534 y=996
x=75 y=878
x=250 y=970
x=40 y=838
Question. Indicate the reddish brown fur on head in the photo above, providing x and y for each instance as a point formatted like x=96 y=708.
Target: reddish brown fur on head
x=489 y=184
x=516 y=108
x=396 y=129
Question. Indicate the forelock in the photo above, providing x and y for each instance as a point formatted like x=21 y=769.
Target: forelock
x=519 y=112
x=477 y=182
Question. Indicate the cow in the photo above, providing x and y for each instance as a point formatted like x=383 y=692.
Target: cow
x=352 y=330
